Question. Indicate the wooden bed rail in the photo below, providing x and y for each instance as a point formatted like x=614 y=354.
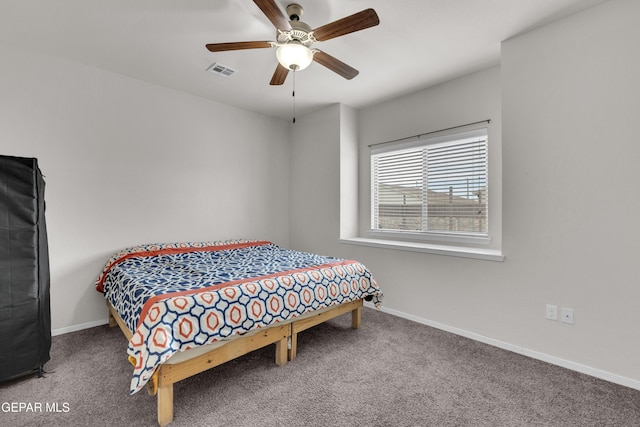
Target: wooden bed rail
x=355 y=307
x=280 y=335
x=168 y=374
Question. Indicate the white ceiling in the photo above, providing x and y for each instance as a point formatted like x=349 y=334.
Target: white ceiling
x=419 y=43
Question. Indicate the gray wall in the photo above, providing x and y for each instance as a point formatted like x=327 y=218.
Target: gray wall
x=127 y=162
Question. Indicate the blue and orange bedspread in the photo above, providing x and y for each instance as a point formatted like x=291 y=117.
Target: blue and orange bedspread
x=177 y=296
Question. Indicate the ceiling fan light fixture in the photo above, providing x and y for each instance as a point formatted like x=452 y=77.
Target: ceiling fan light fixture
x=294 y=56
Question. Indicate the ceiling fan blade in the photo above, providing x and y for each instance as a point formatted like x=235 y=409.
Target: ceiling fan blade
x=273 y=12
x=279 y=76
x=221 y=47
x=335 y=65
x=356 y=22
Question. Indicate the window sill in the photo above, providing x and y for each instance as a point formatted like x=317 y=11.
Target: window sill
x=457 y=251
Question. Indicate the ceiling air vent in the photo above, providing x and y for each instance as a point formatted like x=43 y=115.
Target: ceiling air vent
x=221 y=70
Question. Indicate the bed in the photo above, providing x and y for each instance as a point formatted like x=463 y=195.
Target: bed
x=188 y=307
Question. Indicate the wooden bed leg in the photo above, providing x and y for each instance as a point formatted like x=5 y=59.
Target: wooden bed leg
x=152 y=385
x=165 y=404
x=294 y=345
x=281 y=351
x=112 y=320
x=356 y=318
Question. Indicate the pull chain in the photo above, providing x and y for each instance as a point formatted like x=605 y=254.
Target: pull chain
x=293 y=94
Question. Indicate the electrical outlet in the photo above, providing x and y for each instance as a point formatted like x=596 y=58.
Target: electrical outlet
x=566 y=315
x=552 y=312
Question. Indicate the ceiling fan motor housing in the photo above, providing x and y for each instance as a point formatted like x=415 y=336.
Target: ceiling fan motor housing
x=299 y=32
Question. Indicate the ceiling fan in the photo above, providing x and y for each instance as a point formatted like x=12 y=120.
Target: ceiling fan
x=294 y=38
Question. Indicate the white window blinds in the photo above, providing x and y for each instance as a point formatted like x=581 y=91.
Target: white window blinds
x=435 y=185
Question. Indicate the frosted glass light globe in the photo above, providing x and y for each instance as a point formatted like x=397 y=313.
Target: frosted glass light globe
x=294 y=56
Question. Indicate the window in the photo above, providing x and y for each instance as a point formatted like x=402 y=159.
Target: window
x=431 y=187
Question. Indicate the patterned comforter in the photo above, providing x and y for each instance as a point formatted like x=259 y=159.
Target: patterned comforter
x=177 y=296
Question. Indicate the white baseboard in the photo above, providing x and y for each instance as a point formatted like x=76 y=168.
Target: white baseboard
x=74 y=328
x=597 y=373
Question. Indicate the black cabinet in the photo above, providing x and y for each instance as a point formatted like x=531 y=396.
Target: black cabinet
x=25 y=315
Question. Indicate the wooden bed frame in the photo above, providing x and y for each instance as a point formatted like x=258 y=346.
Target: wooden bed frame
x=283 y=335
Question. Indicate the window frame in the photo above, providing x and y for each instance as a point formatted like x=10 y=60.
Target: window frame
x=440 y=237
